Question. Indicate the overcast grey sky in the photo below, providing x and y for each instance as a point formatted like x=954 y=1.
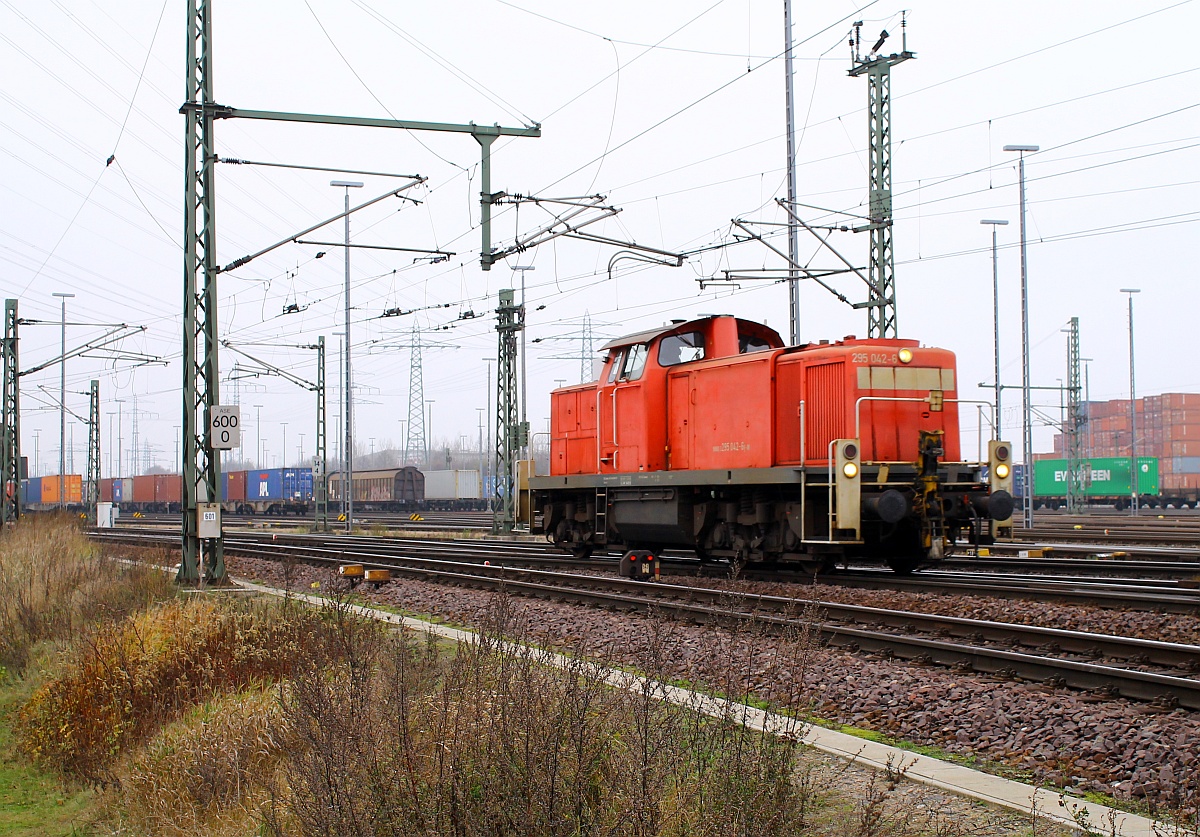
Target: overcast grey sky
x=672 y=110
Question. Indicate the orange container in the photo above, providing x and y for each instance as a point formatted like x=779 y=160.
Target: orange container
x=73 y=491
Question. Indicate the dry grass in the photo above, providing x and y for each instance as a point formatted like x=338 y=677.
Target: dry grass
x=205 y=774
x=129 y=678
x=494 y=739
x=54 y=584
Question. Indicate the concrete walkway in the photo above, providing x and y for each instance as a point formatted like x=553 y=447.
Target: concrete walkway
x=946 y=775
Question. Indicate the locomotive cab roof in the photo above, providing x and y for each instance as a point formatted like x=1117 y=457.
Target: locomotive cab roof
x=712 y=326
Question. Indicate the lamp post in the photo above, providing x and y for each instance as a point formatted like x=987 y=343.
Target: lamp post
x=258 y=463
x=62 y=405
x=524 y=390
x=429 y=429
x=349 y=475
x=1027 y=416
x=491 y=457
x=996 y=320
x=1133 y=463
x=1087 y=399
x=120 y=431
x=283 y=450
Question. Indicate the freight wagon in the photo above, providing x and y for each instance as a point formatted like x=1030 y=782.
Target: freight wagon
x=1168 y=429
x=409 y=489
x=42 y=493
x=268 y=491
x=1106 y=482
x=452 y=491
x=265 y=491
x=385 y=489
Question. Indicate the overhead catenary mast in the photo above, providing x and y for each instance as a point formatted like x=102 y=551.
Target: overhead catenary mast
x=881 y=302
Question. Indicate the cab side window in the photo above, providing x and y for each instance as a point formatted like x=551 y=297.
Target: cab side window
x=675 y=349
x=635 y=362
x=617 y=358
x=748 y=343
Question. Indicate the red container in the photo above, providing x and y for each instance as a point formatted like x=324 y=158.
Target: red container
x=1182 y=400
x=168 y=488
x=143 y=489
x=106 y=487
x=236 y=485
x=1183 y=433
x=1181 y=449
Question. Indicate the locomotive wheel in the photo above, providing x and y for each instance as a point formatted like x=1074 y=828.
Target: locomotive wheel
x=581 y=551
x=904 y=564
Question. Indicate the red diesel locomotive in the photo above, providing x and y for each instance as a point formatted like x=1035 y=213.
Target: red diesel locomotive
x=712 y=435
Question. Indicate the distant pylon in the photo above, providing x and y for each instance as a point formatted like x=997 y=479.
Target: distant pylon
x=133 y=454
x=414 y=441
x=585 y=350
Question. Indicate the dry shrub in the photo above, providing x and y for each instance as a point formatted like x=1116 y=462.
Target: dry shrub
x=130 y=677
x=495 y=739
x=205 y=774
x=54 y=583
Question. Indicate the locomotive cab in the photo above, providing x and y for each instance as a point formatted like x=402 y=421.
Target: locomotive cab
x=710 y=435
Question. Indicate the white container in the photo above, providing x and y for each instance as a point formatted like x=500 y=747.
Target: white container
x=452 y=485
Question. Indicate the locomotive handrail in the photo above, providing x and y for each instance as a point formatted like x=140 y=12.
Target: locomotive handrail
x=829 y=487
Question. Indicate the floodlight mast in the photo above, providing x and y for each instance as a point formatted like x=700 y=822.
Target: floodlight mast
x=1027 y=414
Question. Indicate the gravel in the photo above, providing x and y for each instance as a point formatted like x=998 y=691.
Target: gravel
x=1032 y=732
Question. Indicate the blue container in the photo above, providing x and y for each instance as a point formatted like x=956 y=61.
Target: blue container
x=31 y=492
x=119 y=490
x=224 y=487
x=265 y=484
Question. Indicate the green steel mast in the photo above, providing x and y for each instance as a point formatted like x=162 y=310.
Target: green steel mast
x=201 y=465
x=91 y=483
x=10 y=421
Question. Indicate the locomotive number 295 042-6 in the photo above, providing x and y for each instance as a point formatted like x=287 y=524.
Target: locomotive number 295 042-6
x=873 y=357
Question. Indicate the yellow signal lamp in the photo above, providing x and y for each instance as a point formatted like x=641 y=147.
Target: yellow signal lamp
x=850 y=469
x=1002 y=471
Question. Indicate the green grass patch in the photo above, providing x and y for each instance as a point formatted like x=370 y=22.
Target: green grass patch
x=31 y=802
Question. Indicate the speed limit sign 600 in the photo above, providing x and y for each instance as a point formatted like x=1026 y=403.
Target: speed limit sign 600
x=225 y=428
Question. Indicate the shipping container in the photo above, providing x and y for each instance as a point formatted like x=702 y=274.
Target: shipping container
x=264 y=485
x=1183 y=433
x=1185 y=465
x=234 y=486
x=143 y=490
x=31 y=492
x=68 y=489
x=168 y=488
x=118 y=489
x=106 y=490
x=451 y=485
x=1102 y=477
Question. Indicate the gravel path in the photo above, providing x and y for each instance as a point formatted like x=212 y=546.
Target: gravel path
x=1031 y=732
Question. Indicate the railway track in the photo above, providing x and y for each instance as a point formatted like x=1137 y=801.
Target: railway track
x=1138 y=669
x=1171 y=590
